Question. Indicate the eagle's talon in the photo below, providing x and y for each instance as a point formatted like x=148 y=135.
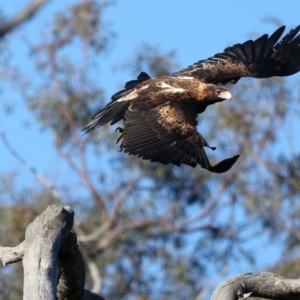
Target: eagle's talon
x=119 y=129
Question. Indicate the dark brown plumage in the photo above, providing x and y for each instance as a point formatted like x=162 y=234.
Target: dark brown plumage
x=160 y=113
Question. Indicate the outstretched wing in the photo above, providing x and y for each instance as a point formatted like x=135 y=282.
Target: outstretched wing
x=114 y=111
x=265 y=57
x=167 y=134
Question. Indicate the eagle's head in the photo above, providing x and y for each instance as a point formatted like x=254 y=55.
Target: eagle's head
x=214 y=93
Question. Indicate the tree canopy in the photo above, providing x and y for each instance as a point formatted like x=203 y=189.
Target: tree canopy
x=146 y=231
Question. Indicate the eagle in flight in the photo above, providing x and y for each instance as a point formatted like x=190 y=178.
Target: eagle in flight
x=160 y=114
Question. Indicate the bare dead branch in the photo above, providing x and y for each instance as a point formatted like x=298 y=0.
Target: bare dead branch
x=50 y=255
x=53 y=265
x=9 y=255
x=21 y=17
x=94 y=235
x=42 y=243
x=264 y=285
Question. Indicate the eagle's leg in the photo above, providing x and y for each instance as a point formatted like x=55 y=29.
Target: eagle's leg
x=119 y=129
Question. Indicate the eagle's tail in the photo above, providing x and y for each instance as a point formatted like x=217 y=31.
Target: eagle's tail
x=224 y=165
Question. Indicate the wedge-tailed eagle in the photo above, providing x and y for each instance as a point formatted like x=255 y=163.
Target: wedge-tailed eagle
x=160 y=113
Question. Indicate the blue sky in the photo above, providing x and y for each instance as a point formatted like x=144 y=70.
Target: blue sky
x=194 y=29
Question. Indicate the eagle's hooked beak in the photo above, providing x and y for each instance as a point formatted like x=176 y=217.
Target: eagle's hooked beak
x=225 y=95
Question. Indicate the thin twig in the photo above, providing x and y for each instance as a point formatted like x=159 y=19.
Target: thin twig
x=83 y=171
x=46 y=183
x=111 y=235
x=211 y=283
x=93 y=270
x=95 y=234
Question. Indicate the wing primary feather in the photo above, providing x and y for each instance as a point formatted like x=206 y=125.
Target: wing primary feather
x=113 y=113
x=237 y=49
x=259 y=45
x=264 y=57
x=272 y=40
x=249 y=50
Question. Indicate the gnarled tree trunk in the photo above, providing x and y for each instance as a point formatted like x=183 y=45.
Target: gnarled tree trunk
x=54 y=268
x=53 y=265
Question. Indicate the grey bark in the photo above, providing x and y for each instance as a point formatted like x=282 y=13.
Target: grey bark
x=264 y=285
x=53 y=266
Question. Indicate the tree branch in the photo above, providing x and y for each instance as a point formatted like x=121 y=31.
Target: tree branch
x=264 y=285
x=54 y=268
x=21 y=17
x=9 y=255
x=83 y=171
x=46 y=183
x=53 y=265
x=111 y=235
